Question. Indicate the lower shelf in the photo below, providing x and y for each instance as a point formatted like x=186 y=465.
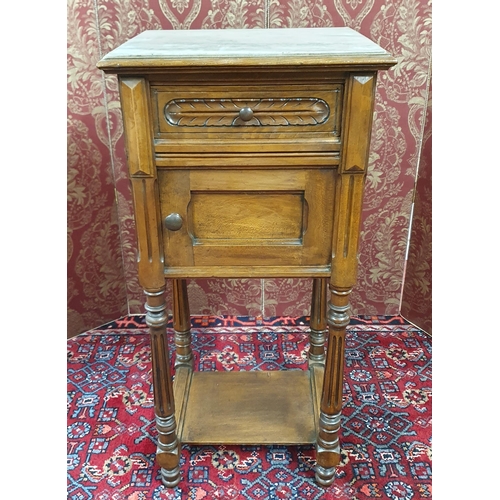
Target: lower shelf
x=248 y=408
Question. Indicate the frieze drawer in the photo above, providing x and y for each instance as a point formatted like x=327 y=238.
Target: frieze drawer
x=255 y=112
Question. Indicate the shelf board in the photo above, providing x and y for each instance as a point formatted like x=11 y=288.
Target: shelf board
x=248 y=408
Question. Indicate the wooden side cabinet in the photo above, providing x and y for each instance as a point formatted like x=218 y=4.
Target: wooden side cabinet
x=247 y=153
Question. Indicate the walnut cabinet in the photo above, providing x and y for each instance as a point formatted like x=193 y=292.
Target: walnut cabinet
x=247 y=153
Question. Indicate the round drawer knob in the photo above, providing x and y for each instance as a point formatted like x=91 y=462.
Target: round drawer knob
x=246 y=114
x=173 y=222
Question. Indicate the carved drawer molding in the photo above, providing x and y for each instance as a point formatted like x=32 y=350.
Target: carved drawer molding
x=246 y=112
x=259 y=111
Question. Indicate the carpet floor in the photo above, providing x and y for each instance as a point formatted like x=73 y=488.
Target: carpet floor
x=386 y=419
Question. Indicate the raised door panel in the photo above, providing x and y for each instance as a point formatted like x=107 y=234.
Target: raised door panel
x=258 y=218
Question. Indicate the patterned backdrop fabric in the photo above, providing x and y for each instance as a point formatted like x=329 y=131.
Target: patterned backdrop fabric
x=417 y=294
x=102 y=277
x=386 y=420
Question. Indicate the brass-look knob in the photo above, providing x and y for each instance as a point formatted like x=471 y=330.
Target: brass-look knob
x=246 y=114
x=173 y=222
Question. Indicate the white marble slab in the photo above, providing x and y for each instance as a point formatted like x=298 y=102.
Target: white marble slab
x=247 y=43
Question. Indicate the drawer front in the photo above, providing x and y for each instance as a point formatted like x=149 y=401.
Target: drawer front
x=246 y=218
x=259 y=111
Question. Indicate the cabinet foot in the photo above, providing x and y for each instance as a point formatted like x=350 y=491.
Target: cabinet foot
x=327 y=448
x=325 y=475
x=168 y=451
x=170 y=477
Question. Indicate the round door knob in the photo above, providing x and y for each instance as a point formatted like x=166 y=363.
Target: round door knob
x=246 y=114
x=173 y=222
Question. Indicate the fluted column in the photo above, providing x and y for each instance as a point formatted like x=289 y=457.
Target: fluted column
x=182 y=324
x=348 y=204
x=168 y=448
x=318 y=322
x=328 y=445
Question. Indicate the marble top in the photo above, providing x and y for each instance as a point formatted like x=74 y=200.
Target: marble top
x=289 y=44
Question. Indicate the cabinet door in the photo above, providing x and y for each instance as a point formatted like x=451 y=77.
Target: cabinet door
x=265 y=219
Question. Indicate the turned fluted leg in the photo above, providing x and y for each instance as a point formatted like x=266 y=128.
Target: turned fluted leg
x=328 y=445
x=318 y=322
x=182 y=324
x=168 y=449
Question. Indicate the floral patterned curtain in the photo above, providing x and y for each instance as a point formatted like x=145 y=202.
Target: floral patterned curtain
x=102 y=279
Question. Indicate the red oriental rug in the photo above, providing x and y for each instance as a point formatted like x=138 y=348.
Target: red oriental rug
x=386 y=420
